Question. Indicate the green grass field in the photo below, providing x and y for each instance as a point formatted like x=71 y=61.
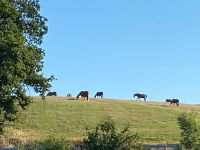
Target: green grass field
x=60 y=116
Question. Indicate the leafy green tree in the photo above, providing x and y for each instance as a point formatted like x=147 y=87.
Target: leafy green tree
x=106 y=137
x=189 y=130
x=21 y=33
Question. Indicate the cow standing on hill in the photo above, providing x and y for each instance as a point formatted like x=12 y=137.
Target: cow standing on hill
x=99 y=94
x=173 y=101
x=83 y=94
x=52 y=94
x=139 y=95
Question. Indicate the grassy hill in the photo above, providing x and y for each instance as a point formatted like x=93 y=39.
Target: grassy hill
x=60 y=116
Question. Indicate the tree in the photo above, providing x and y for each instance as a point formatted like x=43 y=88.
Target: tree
x=189 y=130
x=21 y=33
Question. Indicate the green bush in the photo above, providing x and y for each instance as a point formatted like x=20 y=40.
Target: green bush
x=189 y=130
x=51 y=143
x=106 y=137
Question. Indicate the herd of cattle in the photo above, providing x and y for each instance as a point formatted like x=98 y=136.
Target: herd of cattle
x=85 y=95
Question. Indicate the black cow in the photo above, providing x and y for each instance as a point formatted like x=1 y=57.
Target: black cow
x=173 y=101
x=139 y=95
x=52 y=94
x=99 y=94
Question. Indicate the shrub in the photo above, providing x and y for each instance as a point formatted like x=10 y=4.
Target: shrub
x=106 y=137
x=51 y=143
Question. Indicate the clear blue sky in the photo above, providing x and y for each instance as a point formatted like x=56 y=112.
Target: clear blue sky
x=124 y=47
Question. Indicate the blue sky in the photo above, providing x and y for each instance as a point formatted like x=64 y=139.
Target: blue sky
x=124 y=47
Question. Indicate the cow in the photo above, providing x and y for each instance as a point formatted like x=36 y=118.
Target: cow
x=139 y=95
x=173 y=101
x=83 y=94
x=52 y=94
x=99 y=94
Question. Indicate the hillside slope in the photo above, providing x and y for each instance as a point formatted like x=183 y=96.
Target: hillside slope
x=60 y=116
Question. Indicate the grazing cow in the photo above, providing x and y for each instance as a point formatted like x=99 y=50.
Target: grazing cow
x=99 y=94
x=139 y=95
x=83 y=94
x=173 y=101
x=52 y=94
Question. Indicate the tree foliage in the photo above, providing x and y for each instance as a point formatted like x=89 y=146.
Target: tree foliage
x=21 y=58
x=189 y=130
x=106 y=137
